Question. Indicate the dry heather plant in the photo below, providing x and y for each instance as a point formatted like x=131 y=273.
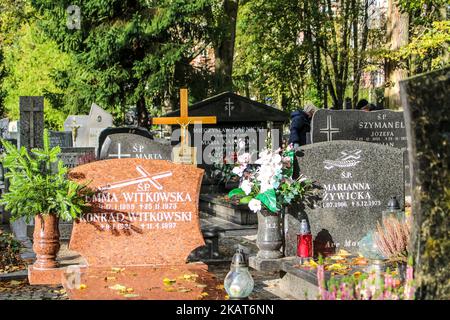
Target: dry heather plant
x=392 y=238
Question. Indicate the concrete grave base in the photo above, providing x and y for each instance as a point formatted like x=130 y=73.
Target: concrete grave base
x=271 y=265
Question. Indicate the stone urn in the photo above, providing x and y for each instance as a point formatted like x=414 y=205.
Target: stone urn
x=46 y=241
x=270 y=238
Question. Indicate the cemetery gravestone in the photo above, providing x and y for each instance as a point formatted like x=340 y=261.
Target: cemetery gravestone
x=382 y=127
x=78 y=126
x=238 y=118
x=426 y=104
x=31 y=122
x=357 y=180
x=127 y=145
x=129 y=129
x=60 y=138
x=86 y=129
x=131 y=143
x=4 y=126
x=136 y=204
x=73 y=157
x=144 y=217
x=13 y=130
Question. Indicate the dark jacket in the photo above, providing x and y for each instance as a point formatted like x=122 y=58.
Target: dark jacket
x=300 y=125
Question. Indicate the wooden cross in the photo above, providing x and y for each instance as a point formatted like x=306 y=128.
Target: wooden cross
x=184 y=120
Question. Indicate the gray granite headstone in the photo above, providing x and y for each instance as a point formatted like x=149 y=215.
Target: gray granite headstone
x=129 y=145
x=4 y=128
x=73 y=157
x=60 y=138
x=31 y=122
x=385 y=127
x=357 y=180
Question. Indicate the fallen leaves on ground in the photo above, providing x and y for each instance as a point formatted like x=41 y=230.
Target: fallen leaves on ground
x=359 y=261
x=118 y=287
x=169 y=282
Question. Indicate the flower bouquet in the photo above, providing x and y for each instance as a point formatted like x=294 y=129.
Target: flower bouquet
x=268 y=183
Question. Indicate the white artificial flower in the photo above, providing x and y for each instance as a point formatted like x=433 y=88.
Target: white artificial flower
x=254 y=205
x=239 y=170
x=265 y=173
x=265 y=185
x=244 y=158
x=264 y=157
x=276 y=159
x=246 y=186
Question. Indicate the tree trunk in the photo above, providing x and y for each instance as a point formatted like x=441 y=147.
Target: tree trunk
x=224 y=49
x=141 y=109
x=398 y=36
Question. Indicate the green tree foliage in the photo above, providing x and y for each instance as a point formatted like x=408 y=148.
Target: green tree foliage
x=38 y=184
x=33 y=61
x=299 y=50
x=134 y=52
x=429 y=29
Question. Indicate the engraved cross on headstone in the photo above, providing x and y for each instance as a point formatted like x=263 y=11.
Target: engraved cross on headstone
x=119 y=154
x=329 y=130
x=229 y=106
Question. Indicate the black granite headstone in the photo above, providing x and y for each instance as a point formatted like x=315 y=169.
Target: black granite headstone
x=426 y=104
x=60 y=138
x=356 y=180
x=31 y=122
x=238 y=118
x=383 y=127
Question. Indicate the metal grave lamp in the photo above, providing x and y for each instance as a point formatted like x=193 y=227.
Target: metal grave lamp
x=238 y=282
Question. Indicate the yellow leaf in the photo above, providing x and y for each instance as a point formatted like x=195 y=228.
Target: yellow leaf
x=204 y=294
x=131 y=295
x=220 y=287
x=169 y=282
x=130 y=289
x=343 y=253
x=15 y=283
x=169 y=289
x=82 y=286
x=227 y=297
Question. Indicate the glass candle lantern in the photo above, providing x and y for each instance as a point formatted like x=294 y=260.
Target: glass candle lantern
x=238 y=282
x=393 y=209
x=304 y=242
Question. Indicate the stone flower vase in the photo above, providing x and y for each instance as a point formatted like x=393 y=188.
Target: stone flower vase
x=270 y=238
x=46 y=241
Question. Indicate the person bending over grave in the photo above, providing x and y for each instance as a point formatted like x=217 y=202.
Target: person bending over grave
x=301 y=124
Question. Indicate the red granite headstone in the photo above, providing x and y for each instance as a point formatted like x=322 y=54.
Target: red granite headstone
x=143 y=212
